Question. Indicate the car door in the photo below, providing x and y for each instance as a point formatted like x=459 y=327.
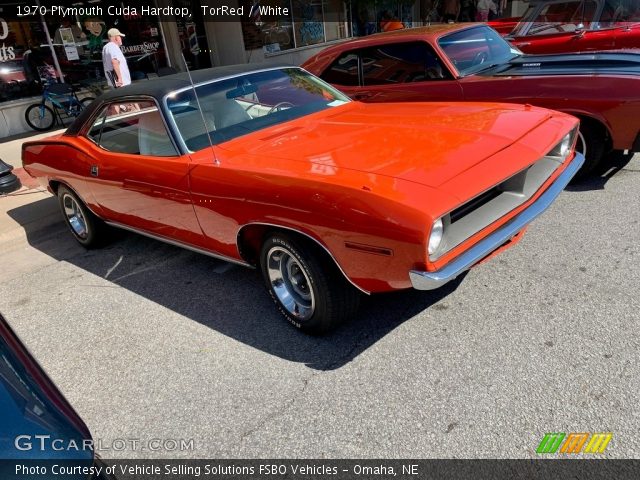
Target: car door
x=137 y=176
x=628 y=34
x=394 y=72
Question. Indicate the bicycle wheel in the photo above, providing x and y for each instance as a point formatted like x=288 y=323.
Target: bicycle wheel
x=86 y=101
x=39 y=117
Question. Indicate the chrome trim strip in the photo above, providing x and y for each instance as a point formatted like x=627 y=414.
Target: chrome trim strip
x=175 y=243
x=431 y=280
x=309 y=237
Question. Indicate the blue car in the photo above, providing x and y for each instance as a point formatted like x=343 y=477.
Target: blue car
x=41 y=435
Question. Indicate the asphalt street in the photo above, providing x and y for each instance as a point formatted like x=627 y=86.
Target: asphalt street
x=148 y=341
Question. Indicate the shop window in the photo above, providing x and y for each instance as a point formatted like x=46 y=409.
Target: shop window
x=75 y=50
x=305 y=23
x=79 y=40
x=370 y=16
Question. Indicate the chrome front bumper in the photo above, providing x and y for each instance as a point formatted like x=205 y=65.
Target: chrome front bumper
x=432 y=280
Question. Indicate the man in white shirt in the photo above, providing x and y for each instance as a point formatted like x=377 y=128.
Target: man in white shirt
x=115 y=64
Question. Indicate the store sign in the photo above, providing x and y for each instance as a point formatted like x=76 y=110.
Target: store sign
x=66 y=34
x=146 y=47
x=6 y=53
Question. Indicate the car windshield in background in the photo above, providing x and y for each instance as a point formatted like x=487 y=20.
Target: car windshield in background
x=476 y=49
x=556 y=17
x=248 y=103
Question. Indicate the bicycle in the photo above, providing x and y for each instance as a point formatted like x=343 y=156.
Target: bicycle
x=63 y=98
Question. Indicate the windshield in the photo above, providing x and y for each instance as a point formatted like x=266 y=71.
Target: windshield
x=248 y=103
x=476 y=49
x=557 y=17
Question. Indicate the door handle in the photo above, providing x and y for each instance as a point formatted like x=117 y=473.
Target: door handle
x=94 y=170
x=361 y=96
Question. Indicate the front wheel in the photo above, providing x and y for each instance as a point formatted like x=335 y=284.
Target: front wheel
x=306 y=285
x=590 y=143
x=40 y=117
x=86 y=228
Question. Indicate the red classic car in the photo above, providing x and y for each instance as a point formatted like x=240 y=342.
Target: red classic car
x=472 y=62
x=276 y=169
x=557 y=26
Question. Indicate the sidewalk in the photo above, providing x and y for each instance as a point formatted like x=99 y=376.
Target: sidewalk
x=11 y=153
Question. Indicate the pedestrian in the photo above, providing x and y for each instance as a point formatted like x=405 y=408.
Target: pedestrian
x=451 y=11
x=484 y=7
x=114 y=62
x=389 y=22
x=468 y=11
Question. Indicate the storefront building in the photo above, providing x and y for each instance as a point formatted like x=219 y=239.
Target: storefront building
x=64 y=43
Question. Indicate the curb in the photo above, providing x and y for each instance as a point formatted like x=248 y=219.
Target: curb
x=27 y=180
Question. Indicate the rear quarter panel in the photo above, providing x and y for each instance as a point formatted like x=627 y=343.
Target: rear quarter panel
x=60 y=159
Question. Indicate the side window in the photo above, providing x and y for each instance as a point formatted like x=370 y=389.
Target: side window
x=134 y=128
x=623 y=12
x=343 y=71
x=96 y=129
x=400 y=63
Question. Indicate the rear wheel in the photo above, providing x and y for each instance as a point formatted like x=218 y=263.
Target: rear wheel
x=40 y=117
x=306 y=285
x=84 y=225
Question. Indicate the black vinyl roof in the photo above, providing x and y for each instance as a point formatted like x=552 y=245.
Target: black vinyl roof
x=161 y=86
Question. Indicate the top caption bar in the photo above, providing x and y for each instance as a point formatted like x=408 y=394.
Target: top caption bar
x=206 y=10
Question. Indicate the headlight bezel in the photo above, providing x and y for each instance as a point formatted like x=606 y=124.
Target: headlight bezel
x=565 y=147
x=434 y=243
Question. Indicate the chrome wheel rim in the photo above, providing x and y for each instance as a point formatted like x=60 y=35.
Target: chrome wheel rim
x=290 y=283
x=74 y=216
x=581 y=145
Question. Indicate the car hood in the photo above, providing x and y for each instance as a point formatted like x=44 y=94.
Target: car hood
x=602 y=63
x=427 y=143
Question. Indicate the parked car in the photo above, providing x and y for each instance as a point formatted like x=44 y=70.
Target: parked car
x=39 y=427
x=472 y=62
x=504 y=25
x=559 y=26
x=275 y=169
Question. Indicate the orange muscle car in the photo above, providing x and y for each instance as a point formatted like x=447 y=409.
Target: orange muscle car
x=275 y=169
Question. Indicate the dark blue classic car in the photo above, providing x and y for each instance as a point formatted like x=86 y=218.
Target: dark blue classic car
x=41 y=436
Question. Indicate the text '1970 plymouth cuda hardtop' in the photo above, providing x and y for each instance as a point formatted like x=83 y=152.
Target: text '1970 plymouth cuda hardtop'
x=275 y=169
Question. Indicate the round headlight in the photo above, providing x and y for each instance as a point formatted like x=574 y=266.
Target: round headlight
x=565 y=145
x=562 y=149
x=435 y=239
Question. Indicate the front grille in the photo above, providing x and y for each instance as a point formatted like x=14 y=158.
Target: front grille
x=493 y=204
x=474 y=204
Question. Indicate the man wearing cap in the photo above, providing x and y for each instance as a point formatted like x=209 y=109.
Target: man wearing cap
x=115 y=64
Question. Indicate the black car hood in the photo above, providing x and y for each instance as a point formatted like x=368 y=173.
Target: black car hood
x=599 y=63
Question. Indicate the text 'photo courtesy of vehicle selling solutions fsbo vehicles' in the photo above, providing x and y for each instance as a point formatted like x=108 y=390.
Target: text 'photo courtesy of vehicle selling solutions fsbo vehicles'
x=273 y=168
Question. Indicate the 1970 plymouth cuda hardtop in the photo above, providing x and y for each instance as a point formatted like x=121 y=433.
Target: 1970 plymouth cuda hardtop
x=328 y=197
